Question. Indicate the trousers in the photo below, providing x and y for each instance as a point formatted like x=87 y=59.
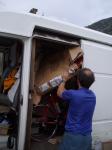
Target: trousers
x=75 y=142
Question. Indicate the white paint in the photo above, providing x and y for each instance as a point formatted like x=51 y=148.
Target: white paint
x=24 y=92
x=24 y=24
x=103 y=90
x=98 y=58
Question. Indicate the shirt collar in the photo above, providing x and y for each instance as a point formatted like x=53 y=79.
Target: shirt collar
x=82 y=88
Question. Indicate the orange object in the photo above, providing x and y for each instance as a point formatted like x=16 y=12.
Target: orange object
x=10 y=80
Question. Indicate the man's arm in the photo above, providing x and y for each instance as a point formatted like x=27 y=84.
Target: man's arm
x=61 y=89
x=63 y=93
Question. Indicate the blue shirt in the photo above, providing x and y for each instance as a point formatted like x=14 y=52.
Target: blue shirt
x=80 y=112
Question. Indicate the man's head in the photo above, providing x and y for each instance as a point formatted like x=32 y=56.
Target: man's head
x=85 y=77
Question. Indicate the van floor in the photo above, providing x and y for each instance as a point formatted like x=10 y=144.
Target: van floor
x=43 y=146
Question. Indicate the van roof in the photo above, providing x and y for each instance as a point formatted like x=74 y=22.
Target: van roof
x=23 y=24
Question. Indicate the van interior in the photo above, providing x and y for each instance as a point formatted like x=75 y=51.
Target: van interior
x=10 y=67
x=50 y=59
x=52 y=55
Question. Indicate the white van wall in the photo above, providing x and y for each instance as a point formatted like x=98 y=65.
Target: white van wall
x=98 y=57
x=24 y=93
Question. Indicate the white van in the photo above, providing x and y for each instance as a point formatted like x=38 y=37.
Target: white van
x=23 y=33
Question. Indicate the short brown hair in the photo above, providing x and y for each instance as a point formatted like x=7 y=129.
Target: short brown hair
x=86 y=77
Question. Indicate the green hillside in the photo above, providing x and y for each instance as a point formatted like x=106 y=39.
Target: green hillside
x=104 y=25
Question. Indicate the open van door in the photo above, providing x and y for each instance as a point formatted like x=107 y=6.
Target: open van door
x=24 y=94
x=98 y=57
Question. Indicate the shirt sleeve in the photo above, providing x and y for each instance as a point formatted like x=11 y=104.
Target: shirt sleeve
x=66 y=95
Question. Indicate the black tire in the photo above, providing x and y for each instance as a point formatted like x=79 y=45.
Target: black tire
x=10 y=142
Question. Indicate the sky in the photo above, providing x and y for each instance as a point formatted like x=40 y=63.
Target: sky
x=80 y=12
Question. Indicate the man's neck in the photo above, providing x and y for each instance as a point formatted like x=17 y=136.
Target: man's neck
x=80 y=86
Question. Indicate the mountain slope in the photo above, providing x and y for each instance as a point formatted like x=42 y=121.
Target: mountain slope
x=104 y=25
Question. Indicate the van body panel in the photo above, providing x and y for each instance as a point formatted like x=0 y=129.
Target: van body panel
x=24 y=93
x=98 y=58
x=24 y=23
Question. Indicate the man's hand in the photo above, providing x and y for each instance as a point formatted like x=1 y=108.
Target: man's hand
x=61 y=88
x=66 y=76
x=73 y=68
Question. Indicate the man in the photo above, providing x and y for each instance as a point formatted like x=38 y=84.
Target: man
x=82 y=102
